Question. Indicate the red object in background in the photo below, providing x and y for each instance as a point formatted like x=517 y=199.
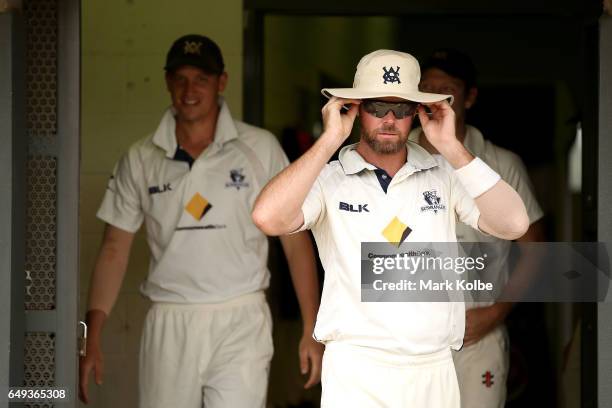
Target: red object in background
x=305 y=140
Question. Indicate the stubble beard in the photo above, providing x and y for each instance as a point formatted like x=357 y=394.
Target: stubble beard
x=384 y=147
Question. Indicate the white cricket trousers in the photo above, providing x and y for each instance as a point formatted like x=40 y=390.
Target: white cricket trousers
x=360 y=377
x=482 y=371
x=212 y=354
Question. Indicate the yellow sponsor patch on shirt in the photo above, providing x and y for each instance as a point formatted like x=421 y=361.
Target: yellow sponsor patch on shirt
x=396 y=231
x=198 y=206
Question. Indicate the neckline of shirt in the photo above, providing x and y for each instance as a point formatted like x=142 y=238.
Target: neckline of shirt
x=417 y=159
x=225 y=131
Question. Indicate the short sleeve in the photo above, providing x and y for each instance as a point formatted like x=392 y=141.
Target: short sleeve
x=121 y=206
x=313 y=206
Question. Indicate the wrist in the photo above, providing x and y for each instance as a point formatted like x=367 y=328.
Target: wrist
x=331 y=140
x=501 y=310
x=477 y=177
x=308 y=327
x=95 y=319
x=456 y=154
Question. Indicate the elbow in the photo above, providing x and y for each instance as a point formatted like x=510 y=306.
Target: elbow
x=264 y=221
x=261 y=220
x=518 y=225
x=509 y=227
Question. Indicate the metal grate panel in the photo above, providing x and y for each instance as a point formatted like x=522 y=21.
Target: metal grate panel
x=39 y=363
x=41 y=22
x=41 y=104
x=41 y=233
x=41 y=67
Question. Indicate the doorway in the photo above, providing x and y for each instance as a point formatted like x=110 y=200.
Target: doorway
x=538 y=85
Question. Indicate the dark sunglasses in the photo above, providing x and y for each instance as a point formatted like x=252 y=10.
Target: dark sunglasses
x=381 y=108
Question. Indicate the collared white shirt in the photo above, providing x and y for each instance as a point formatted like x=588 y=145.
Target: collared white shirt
x=347 y=206
x=204 y=245
x=512 y=170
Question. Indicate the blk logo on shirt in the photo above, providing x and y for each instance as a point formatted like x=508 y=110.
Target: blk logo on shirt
x=353 y=207
x=160 y=189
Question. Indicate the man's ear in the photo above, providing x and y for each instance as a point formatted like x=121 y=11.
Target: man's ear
x=471 y=97
x=222 y=82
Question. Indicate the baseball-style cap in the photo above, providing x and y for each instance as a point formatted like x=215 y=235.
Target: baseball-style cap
x=198 y=51
x=385 y=73
x=454 y=63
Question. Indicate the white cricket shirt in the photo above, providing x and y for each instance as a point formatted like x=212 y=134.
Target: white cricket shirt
x=351 y=183
x=204 y=245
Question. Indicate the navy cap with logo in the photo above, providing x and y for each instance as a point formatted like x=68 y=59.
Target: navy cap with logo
x=198 y=51
x=454 y=63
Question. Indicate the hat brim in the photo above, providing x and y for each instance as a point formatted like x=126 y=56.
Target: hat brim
x=356 y=93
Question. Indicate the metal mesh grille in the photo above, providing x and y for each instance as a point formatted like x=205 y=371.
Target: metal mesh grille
x=39 y=363
x=41 y=105
x=41 y=176
x=41 y=63
x=40 y=233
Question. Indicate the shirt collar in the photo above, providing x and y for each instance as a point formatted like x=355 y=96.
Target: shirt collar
x=352 y=162
x=165 y=134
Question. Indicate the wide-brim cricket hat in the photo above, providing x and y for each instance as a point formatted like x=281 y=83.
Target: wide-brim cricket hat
x=387 y=73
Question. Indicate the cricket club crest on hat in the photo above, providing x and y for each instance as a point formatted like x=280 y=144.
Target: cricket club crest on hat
x=391 y=75
x=387 y=73
x=192 y=47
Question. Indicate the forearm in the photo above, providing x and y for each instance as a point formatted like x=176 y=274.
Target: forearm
x=528 y=265
x=278 y=209
x=302 y=267
x=502 y=212
x=109 y=270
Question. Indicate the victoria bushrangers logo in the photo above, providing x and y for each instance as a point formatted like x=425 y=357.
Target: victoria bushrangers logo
x=391 y=75
x=431 y=197
x=237 y=179
x=433 y=200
